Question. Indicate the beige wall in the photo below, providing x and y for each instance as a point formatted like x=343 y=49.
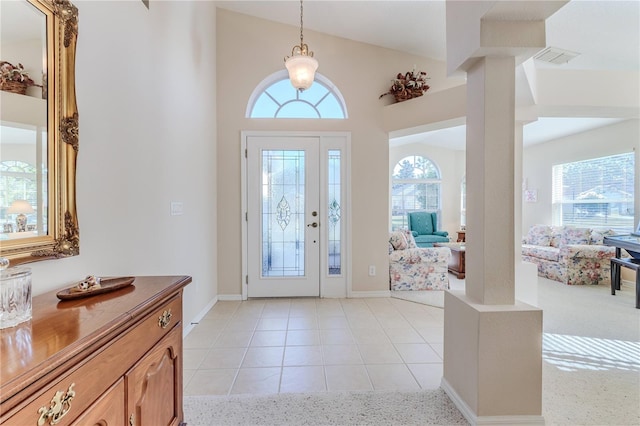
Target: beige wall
x=539 y=160
x=146 y=98
x=250 y=49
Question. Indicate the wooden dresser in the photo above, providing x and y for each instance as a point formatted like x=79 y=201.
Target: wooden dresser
x=109 y=359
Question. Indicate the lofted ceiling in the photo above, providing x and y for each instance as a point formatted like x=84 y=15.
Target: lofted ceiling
x=605 y=34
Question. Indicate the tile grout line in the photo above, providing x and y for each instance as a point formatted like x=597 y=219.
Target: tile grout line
x=351 y=313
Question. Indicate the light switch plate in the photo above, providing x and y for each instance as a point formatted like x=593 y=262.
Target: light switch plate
x=177 y=209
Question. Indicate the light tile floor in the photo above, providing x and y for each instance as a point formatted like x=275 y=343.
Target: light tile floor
x=314 y=345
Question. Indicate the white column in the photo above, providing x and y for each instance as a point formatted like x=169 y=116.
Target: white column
x=492 y=341
x=490 y=264
x=492 y=344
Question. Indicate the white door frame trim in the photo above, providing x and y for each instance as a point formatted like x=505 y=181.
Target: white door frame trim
x=326 y=289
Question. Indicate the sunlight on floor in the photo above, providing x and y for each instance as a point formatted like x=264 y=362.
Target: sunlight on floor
x=573 y=353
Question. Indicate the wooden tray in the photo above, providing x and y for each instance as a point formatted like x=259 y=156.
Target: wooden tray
x=106 y=285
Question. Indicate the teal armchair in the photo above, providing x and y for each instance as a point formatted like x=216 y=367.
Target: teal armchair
x=424 y=227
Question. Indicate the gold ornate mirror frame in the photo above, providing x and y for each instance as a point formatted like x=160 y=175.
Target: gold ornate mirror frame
x=62 y=238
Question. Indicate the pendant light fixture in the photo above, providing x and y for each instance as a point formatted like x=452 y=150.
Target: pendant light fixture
x=301 y=64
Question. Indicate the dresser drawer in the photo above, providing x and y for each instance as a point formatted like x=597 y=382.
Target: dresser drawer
x=154 y=327
x=108 y=410
x=75 y=390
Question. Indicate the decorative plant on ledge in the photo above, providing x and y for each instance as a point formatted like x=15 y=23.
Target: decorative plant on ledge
x=14 y=78
x=409 y=85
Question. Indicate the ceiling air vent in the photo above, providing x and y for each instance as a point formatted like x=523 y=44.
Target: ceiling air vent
x=555 y=56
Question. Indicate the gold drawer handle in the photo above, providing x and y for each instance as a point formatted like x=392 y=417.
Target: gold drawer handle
x=164 y=319
x=60 y=406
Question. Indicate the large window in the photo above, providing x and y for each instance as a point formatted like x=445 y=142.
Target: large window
x=595 y=193
x=415 y=186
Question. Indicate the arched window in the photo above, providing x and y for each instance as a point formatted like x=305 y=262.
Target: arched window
x=275 y=97
x=416 y=185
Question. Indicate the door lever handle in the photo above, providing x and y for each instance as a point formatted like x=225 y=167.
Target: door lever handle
x=314 y=224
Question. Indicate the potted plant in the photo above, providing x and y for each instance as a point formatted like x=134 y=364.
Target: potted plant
x=408 y=85
x=14 y=78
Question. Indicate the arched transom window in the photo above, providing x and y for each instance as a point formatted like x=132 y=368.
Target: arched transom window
x=275 y=97
x=416 y=185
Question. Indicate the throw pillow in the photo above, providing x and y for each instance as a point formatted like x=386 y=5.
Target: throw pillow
x=398 y=240
x=597 y=235
x=556 y=236
x=411 y=242
x=539 y=235
x=572 y=235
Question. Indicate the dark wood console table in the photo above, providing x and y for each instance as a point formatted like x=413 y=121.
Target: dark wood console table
x=109 y=359
x=631 y=244
x=457 y=259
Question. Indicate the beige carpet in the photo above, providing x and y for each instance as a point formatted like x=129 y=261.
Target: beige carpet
x=591 y=352
x=429 y=407
x=591 y=355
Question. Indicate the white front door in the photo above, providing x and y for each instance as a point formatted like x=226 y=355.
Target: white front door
x=283 y=216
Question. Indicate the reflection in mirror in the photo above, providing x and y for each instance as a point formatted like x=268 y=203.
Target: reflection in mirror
x=38 y=130
x=24 y=184
x=23 y=121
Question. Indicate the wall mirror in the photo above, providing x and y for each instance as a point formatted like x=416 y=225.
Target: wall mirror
x=38 y=130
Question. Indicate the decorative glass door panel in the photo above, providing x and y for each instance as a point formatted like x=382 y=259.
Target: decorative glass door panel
x=283 y=221
x=334 y=223
x=283 y=218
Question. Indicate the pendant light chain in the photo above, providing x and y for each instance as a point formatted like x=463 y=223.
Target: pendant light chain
x=301 y=37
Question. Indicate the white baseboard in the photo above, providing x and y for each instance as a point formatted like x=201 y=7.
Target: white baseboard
x=229 y=297
x=354 y=294
x=188 y=327
x=359 y=294
x=473 y=419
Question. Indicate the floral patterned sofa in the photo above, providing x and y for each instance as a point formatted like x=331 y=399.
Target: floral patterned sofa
x=415 y=268
x=574 y=256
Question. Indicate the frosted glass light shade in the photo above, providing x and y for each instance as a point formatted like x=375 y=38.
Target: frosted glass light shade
x=302 y=71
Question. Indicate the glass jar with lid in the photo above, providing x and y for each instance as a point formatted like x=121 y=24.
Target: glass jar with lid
x=15 y=295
